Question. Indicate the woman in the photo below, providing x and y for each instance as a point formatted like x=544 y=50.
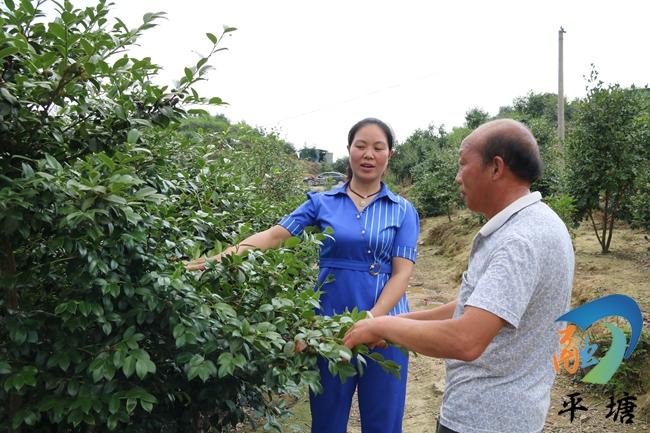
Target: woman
x=371 y=257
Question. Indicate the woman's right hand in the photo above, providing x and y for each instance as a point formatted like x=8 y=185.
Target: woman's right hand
x=199 y=264
x=269 y=238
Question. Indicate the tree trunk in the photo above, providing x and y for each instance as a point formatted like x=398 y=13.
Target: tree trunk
x=603 y=242
x=615 y=208
x=593 y=223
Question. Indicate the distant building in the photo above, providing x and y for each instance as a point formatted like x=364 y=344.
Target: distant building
x=326 y=157
x=316 y=155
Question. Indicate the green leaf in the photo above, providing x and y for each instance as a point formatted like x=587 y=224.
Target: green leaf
x=146 y=405
x=5 y=368
x=226 y=364
x=116 y=199
x=19 y=335
x=198 y=111
x=188 y=74
x=57 y=29
x=345 y=353
x=129 y=365
x=73 y=388
x=8 y=96
x=131 y=404
x=292 y=242
x=107 y=327
x=87 y=47
x=227 y=29
x=178 y=330
x=212 y=38
x=64 y=360
x=215 y=101
x=113 y=404
x=8 y=51
x=120 y=63
x=111 y=422
x=144 y=366
x=53 y=163
x=133 y=136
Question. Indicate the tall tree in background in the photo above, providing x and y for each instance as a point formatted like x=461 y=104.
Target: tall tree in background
x=640 y=200
x=341 y=165
x=309 y=154
x=410 y=153
x=475 y=117
x=604 y=154
x=435 y=191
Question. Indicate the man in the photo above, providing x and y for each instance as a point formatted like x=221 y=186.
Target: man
x=499 y=336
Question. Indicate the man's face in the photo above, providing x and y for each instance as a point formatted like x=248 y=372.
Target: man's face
x=473 y=175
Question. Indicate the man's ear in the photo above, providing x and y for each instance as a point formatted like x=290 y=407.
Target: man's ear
x=498 y=167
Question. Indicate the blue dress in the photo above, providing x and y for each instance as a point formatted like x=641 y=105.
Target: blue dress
x=359 y=257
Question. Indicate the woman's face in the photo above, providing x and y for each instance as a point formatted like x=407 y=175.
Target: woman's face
x=369 y=153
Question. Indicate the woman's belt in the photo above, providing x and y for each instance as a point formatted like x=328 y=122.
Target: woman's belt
x=374 y=268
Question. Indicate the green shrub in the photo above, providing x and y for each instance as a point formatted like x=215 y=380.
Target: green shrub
x=564 y=206
x=435 y=191
x=101 y=328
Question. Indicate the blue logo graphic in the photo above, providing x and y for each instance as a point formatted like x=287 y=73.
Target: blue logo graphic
x=590 y=313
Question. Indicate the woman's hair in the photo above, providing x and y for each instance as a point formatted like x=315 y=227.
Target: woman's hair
x=365 y=122
x=371 y=121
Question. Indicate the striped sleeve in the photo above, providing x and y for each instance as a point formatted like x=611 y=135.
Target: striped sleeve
x=406 y=238
x=303 y=216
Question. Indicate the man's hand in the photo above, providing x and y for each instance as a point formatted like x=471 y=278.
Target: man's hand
x=365 y=332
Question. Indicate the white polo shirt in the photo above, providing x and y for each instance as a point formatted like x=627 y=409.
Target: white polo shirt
x=520 y=269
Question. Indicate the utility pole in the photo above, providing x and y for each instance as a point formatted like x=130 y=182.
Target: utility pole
x=560 y=88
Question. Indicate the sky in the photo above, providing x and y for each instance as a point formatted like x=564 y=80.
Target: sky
x=309 y=70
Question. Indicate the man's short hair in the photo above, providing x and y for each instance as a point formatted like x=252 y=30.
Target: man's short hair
x=516 y=145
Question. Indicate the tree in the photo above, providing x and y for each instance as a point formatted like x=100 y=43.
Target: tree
x=640 y=199
x=604 y=154
x=341 y=165
x=309 y=154
x=552 y=180
x=475 y=117
x=434 y=189
x=218 y=123
x=541 y=105
x=412 y=152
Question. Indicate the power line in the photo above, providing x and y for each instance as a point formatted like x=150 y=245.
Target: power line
x=354 y=98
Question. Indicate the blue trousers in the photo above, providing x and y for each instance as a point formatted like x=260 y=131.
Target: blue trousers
x=381 y=398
